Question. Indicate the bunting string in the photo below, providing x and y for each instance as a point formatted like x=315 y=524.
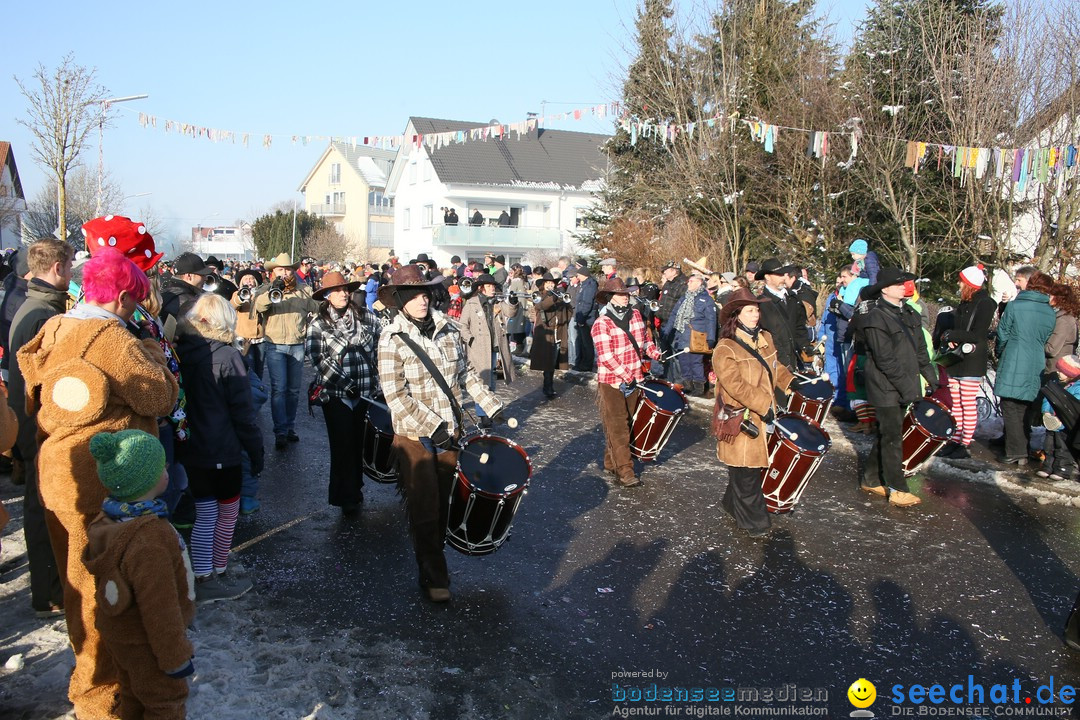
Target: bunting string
x=1020 y=165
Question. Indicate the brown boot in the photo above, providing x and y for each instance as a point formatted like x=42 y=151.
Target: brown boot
x=899 y=498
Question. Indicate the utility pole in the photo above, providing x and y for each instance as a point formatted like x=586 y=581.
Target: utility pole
x=105 y=104
x=292 y=253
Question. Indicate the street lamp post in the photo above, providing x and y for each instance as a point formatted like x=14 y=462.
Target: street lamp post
x=105 y=105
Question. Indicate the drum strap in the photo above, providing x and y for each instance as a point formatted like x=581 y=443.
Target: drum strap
x=755 y=353
x=435 y=375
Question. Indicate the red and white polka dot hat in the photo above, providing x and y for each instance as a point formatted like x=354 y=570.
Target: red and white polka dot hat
x=124 y=234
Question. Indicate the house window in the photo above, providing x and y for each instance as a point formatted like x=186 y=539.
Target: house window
x=335 y=173
x=580 y=220
x=328 y=198
x=406 y=219
x=427 y=171
x=427 y=217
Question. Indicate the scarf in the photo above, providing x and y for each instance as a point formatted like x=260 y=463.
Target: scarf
x=619 y=316
x=751 y=333
x=121 y=510
x=686 y=309
x=426 y=324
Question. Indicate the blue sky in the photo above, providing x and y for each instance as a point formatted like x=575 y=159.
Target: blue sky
x=314 y=68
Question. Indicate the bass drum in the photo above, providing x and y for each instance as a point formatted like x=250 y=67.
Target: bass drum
x=379 y=445
x=927 y=426
x=796 y=448
x=811 y=398
x=492 y=477
x=660 y=407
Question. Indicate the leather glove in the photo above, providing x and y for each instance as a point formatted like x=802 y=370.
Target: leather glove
x=441 y=437
x=497 y=417
x=628 y=388
x=768 y=417
x=278 y=284
x=183 y=671
x=834 y=305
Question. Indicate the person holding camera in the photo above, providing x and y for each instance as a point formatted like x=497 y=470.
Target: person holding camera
x=285 y=308
x=965 y=348
x=422 y=370
x=180 y=291
x=748 y=374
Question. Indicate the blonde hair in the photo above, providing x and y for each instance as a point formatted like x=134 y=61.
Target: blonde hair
x=212 y=315
x=153 y=302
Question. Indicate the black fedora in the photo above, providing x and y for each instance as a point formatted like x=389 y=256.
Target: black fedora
x=772 y=266
x=887 y=277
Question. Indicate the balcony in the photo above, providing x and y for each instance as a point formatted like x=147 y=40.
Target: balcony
x=494 y=237
x=383 y=210
x=331 y=210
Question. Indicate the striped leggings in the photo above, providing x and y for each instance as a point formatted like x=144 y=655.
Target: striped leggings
x=217 y=504
x=965 y=410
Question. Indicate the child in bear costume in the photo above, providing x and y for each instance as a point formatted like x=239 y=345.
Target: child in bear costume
x=145 y=587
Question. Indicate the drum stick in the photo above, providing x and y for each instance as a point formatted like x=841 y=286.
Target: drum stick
x=808 y=378
x=657 y=393
x=672 y=355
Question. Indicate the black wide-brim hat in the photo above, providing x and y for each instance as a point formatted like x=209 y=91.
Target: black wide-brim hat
x=772 y=266
x=539 y=282
x=736 y=302
x=484 y=279
x=888 y=277
x=406 y=276
x=249 y=271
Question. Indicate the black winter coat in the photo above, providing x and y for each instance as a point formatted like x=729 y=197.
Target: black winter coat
x=220 y=413
x=552 y=317
x=786 y=322
x=177 y=297
x=670 y=295
x=896 y=352
x=971 y=324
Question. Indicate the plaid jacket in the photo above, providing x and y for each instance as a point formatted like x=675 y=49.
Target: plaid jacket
x=616 y=359
x=341 y=364
x=417 y=404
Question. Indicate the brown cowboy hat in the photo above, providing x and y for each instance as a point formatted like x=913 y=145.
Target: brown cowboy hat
x=611 y=286
x=334 y=281
x=282 y=260
x=405 y=276
x=738 y=300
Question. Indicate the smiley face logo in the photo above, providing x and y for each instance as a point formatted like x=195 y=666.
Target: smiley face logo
x=862 y=693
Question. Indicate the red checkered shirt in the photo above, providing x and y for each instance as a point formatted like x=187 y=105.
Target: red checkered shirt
x=616 y=359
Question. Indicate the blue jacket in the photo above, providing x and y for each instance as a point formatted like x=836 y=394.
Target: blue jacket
x=1022 y=333
x=703 y=320
x=371 y=291
x=1073 y=388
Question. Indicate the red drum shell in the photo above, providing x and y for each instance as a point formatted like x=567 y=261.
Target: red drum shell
x=486 y=494
x=928 y=425
x=811 y=398
x=655 y=418
x=794 y=456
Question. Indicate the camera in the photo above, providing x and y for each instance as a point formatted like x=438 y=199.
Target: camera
x=747 y=426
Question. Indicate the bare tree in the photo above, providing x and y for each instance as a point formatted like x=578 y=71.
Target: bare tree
x=60 y=112
x=40 y=218
x=326 y=244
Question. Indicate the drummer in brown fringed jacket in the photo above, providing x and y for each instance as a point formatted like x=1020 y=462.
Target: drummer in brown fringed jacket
x=483 y=331
x=550 y=350
x=747 y=375
x=427 y=421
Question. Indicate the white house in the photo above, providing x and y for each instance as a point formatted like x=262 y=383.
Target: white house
x=1056 y=202
x=543 y=180
x=224 y=243
x=346 y=187
x=12 y=200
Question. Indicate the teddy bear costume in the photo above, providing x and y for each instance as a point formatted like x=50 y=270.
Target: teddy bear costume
x=86 y=373
x=145 y=587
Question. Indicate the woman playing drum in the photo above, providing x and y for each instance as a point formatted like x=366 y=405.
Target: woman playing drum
x=747 y=374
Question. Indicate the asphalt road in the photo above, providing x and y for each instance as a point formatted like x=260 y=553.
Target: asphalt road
x=598 y=587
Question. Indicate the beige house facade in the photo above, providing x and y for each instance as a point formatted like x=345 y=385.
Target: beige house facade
x=347 y=187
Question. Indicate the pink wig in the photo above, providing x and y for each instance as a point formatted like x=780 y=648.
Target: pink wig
x=108 y=273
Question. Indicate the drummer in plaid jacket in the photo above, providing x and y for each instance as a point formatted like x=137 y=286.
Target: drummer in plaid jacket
x=618 y=371
x=426 y=423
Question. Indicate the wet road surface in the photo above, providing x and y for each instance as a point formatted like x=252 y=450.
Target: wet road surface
x=598 y=583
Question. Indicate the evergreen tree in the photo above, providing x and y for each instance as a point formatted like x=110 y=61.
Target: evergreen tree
x=273 y=233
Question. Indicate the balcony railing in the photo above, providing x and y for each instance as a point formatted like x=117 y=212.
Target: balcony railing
x=380 y=210
x=489 y=237
x=326 y=210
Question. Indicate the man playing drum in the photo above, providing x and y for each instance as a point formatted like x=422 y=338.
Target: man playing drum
x=426 y=417
x=896 y=356
x=619 y=338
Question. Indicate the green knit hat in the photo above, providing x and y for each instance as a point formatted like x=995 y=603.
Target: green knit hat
x=129 y=462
